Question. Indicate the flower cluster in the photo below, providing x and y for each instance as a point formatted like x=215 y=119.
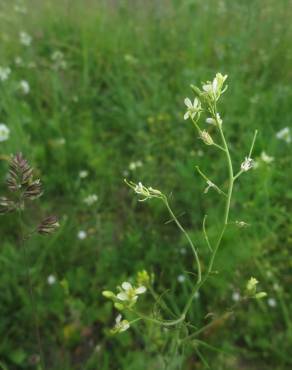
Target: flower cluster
x=146 y=193
x=214 y=89
x=251 y=289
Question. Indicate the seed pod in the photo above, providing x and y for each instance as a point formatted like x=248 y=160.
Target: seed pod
x=48 y=225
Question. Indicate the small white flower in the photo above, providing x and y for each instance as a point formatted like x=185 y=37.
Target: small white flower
x=210 y=185
x=4 y=132
x=213 y=121
x=24 y=87
x=247 y=164
x=121 y=325
x=181 y=278
x=147 y=193
x=24 y=38
x=83 y=174
x=134 y=165
x=235 y=296
x=82 y=235
x=18 y=61
x=193 y=108
x=4 y=73
x=91 y=199
x=51 y=279
x=214 y=89
x=284 y=134
x=129 y=293
x=272 y=302
x=266 y=158
x=58 y=58
x=241 y=224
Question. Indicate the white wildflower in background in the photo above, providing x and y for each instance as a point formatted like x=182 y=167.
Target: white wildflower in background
x=51 y=279
x=284 y=134
x=134 y=165
x=241 y=223
x=4 y=73
x=121 y=325
x=18 y=61
x=24 y=38
x=58 y=60
x=183 y=251
x=272 y=302
x=129 y=293
x=83 y=174
x=24 y=87
x=4 y=132
x=193 y=108
x=20 y=8
x=181 y=278
x=235 y=296
x=266 y=158
x=82 y=235
x=247 y=164
x=91 y=199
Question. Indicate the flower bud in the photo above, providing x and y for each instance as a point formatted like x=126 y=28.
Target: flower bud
x=108 y=294
x=207 y=139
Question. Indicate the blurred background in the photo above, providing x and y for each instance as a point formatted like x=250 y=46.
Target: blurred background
x=92 y=92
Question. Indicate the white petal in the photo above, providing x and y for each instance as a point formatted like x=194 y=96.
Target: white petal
x=186 y=115
x=118 y=319
x=140 y=290
x=188 y=102
x=126 y=285
x=122 y=296
x=125 y=326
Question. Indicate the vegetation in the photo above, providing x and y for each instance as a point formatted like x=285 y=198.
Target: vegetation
x=93 y=92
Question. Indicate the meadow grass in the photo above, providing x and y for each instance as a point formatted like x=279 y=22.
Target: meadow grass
x=119 y=100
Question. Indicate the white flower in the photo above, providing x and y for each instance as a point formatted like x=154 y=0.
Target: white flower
x=213 y=121
x=284 y=134
x=214 y=89
x=83 y=174
x=181 y=278
x=121 y=325
x=51 y=279
x=18 y=61
x=82 y=235
x=272 y=302
x=129 y=293
x=247 y=164
x=91 y=199
x=134 y=165
x=210 y=185
x=147 y=193
x=193 y=108
x=4 y=73
x=266 y=158
x=24 y=38
x=235 y=296
x=24 y=86
x=58 y=59
x=4 y=132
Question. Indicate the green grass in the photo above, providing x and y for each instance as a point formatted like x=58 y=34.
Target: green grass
x=120 y=99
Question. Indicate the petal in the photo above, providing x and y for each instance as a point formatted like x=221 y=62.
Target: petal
x=196 y=102
x=122 y=296
x=186 y=115
x=118 y=319
x=188 y=102
x=126 y=285
x=140 y=290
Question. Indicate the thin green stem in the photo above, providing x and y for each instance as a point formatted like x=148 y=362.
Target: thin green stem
x=31 y=294
x=199 y=278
